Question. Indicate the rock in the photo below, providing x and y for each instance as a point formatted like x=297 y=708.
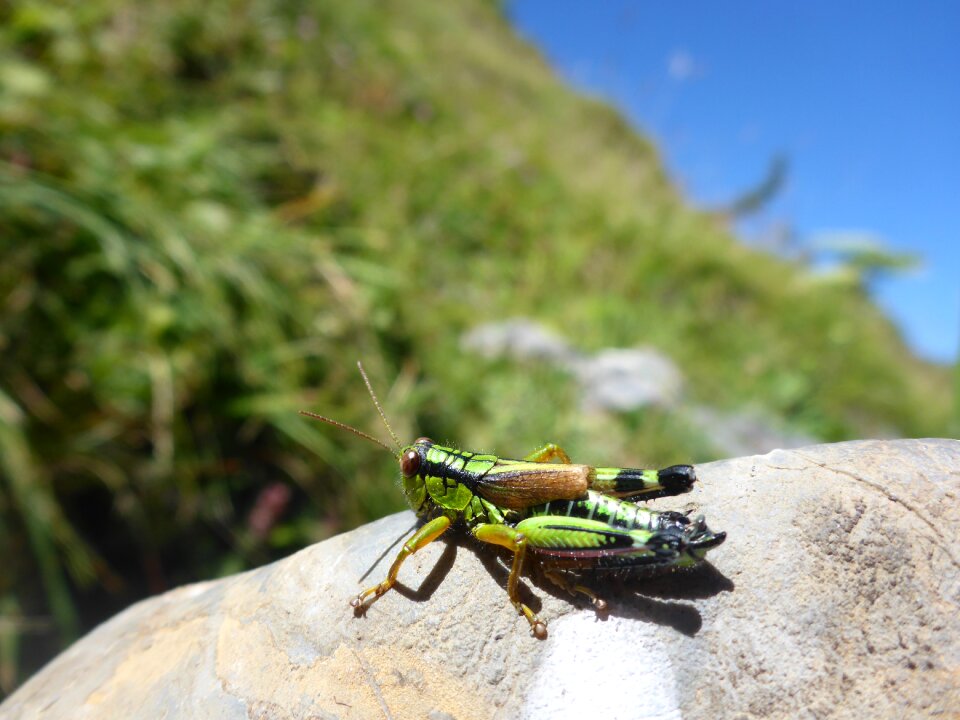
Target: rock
x=746 y=431
x=618 y=379
x=520 y=339
x=628 y=379
x=836 y=595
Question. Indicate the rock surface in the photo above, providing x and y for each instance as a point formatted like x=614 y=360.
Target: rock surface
x=836 y=595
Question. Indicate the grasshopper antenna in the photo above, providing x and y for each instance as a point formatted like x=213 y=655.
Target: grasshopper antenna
x=344 y=426
x=376 y=402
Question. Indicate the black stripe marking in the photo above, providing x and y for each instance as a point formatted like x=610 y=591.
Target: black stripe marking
x=593 y=510
x=445 y=471
x=629 y=480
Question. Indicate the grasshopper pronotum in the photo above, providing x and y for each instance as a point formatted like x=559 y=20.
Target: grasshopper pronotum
x=566 y=515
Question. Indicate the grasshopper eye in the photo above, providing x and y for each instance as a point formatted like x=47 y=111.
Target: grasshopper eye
x=410 y=463
x=423 y=441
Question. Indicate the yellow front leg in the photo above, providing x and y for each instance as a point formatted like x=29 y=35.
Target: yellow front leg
x=547 y=453
x=420 y=539
x=516 y=541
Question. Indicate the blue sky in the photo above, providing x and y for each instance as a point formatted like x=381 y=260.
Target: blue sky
x=862 y=98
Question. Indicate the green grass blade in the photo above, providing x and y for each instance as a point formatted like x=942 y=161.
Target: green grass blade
x=35 y=504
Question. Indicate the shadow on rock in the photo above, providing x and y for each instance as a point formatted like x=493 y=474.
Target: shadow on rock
x=389 y=550
x=695 y=583
x=651 y=596
x=682 y=617
x=646 y=595
x=428 y=587
x=493 y=560
x=432 y=581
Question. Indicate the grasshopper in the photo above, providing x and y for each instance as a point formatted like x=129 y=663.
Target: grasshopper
x=566 y=515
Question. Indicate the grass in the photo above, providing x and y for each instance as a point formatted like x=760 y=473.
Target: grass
x=208 y=212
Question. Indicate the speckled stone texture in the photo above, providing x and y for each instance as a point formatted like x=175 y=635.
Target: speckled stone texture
x=835 y=596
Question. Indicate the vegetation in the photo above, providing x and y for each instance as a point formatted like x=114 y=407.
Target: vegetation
x=209 y=211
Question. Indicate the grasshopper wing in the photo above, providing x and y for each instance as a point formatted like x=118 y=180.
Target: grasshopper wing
x=517 y=484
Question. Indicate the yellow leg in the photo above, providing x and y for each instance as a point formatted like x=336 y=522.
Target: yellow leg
x=561 y=580
x=516 y=541
x=547 y=453
x=420 y=539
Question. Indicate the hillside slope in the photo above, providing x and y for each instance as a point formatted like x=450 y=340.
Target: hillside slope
x=209 y=211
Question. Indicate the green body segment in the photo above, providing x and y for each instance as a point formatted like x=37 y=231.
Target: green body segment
x=599 y=507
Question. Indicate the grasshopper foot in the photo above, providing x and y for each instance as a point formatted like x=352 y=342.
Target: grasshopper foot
x=360 y=602
x=538 y=628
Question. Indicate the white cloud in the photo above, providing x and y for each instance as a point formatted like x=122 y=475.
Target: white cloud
x=682 y=66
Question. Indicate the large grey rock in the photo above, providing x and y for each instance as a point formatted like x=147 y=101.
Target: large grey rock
x=745 y=431
x=618 y=379
x=624 y=379
x=520 y=339
x=836 y=595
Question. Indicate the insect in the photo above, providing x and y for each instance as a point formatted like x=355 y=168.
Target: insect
x=566 y=515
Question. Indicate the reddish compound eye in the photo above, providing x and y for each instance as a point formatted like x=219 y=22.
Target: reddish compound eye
x=410 y=463
x=423 y=441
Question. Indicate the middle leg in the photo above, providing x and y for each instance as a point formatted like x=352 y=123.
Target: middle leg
x=547 y=453
x=516 y=541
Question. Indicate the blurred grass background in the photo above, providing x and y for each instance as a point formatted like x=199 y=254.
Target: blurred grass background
x=210 y=211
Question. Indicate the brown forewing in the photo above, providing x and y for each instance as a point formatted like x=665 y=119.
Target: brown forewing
x=521 y=485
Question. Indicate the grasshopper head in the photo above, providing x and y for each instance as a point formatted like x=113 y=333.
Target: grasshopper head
x=412 y=459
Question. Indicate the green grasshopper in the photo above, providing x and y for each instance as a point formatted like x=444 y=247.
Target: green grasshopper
x=566 y=515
